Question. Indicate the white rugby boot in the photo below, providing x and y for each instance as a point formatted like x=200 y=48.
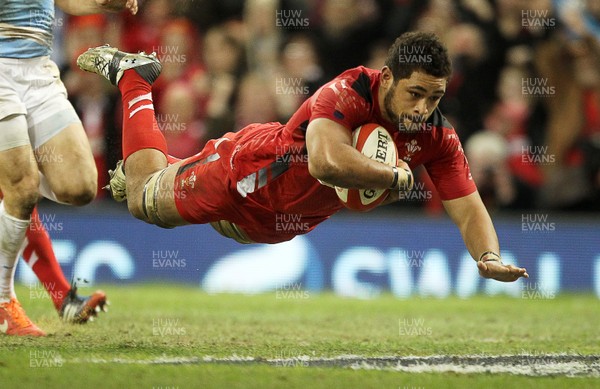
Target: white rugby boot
x=110 y=63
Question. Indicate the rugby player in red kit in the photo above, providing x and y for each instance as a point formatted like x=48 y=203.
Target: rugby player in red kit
x=240 y=183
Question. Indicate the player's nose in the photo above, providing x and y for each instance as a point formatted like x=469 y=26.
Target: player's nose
x=421 y=108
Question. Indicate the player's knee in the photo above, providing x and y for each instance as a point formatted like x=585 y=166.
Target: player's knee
x=23 y=192
x=76 y=194
x=75 y=186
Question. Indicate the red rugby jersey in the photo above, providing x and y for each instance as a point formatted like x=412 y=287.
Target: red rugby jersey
x=271 y=166
x=351 y=100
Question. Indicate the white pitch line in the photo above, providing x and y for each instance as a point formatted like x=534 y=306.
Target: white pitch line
x=571 y=369
x=534 y=365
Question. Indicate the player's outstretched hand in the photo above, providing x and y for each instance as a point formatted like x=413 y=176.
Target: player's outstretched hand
x=501 y=272
x=118 y=5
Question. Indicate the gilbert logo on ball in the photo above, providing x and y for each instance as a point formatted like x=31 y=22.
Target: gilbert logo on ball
x=375 y=142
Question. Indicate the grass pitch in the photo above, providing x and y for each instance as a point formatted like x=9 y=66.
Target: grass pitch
x=158 y=336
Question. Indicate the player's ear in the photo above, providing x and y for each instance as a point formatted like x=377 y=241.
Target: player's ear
x=387 y=78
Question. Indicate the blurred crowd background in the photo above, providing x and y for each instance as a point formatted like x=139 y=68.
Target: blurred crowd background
x=524 y=96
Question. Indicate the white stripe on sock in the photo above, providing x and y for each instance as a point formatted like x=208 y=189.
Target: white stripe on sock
x=32 y=259
x=147 y=106
x=147 y=96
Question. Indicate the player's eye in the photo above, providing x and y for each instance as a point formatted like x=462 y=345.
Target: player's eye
x=415 y=95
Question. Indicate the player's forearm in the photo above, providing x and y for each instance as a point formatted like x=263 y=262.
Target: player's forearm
x=346 y=168
x=89 y=7
x=332 y=159
x=475 y=225
x=479 y=234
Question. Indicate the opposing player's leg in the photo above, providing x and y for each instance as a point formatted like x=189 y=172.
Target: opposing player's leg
x=39 y=255
x=19 y=180
x=18 y=172
x=67 y=163
x=149 y=182
x=67 y=175
x=62 y=150
x=37 y=252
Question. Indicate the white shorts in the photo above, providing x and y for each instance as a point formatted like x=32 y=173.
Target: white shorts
x=32 y=87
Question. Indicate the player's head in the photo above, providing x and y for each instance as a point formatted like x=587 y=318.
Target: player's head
x=414 y=79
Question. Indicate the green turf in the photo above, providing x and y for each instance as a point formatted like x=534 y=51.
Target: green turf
x=153 y=321
x=260 y=377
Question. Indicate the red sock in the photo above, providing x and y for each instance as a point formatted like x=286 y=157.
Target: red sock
x=40 y=257
x=140 y=130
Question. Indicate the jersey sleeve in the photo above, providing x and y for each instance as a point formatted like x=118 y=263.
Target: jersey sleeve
x=344 y=100
x=450 y=172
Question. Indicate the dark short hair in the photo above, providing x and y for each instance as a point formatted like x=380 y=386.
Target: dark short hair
x=418 y=51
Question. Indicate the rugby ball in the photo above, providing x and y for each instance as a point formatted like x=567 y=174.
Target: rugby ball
x=375 y=142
